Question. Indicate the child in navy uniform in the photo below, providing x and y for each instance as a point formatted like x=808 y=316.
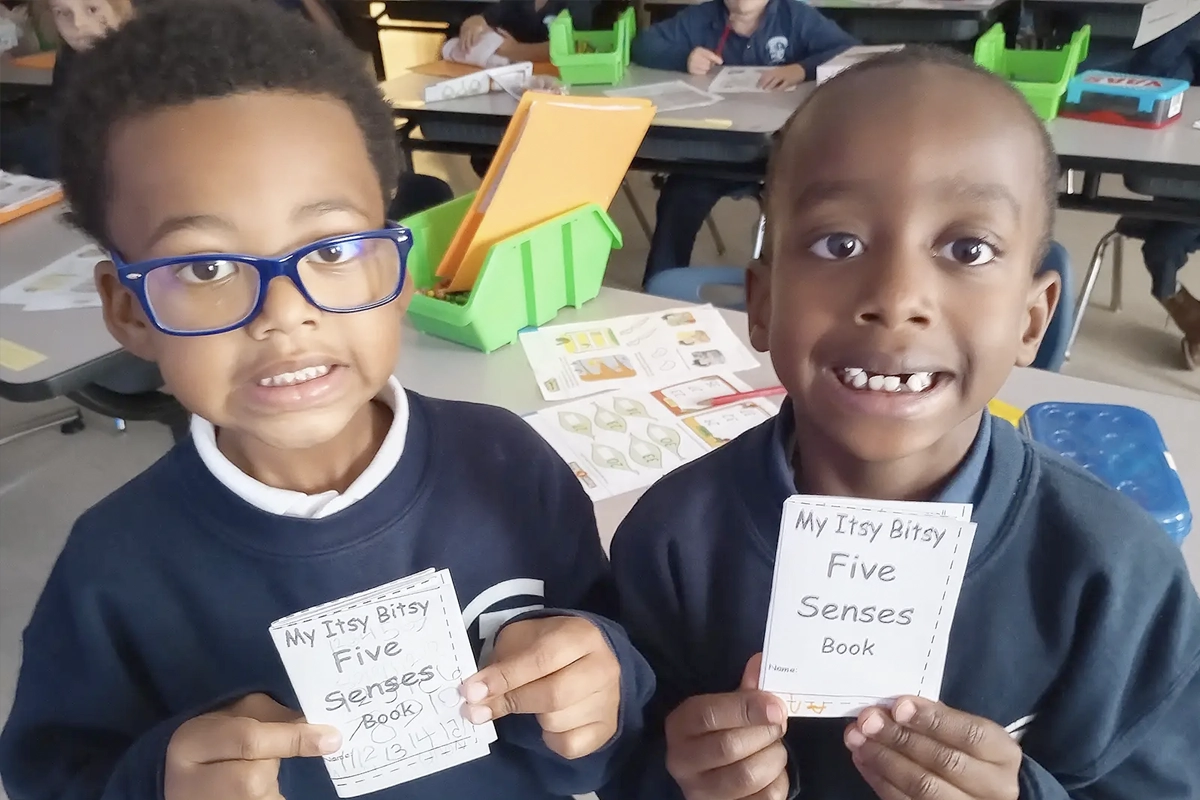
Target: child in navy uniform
x=791 y=36
x=909 y=204
x=200 y=136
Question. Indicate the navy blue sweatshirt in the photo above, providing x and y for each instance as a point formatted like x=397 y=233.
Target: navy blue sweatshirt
x=1075 y=608
x=159 y=606
x=528 y=24
x=790 y=32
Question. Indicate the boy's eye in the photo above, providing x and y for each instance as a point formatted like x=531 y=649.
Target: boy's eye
x=837 y=247
x=336 y=254
x=970 y=252
x=205 y=271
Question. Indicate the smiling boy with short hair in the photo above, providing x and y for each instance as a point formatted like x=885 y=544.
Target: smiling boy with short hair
x=909 y=205
x=236 y=161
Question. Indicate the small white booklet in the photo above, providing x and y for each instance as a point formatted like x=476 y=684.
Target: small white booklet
x=862 y=602
x=384 y=667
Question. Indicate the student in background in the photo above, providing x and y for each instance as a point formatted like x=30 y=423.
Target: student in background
x=28 y=144
x=909 y=204
x=790 y=36
x=311 y=474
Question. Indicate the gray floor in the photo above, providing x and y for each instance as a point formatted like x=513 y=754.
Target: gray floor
x=48 y=479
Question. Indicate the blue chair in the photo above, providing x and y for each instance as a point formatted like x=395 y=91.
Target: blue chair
x=687 y=285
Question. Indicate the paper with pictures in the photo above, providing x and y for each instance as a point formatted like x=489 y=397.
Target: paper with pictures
x=67 y=283
x=862 y=602
x=627 y=440
x=17 y=190
x=669 y=96
x=588 y=358
x=734 y=80
x=384 y=667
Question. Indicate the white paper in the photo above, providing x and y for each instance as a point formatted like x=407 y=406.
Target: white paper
x=1163 y=16
x=623 y=441
x=734 y=80
x=17 y=190
x=669 y=96
x=862 y=601
x=477 y=83
x=67 y=283
x=852 y=56
x=384 y=667
x=641 y=350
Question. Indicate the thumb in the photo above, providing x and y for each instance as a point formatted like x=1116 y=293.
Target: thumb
x=751 y=673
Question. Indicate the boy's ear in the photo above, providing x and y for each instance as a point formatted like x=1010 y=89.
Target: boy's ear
x=758 y=304
x=1044 y=296
x=123 y=315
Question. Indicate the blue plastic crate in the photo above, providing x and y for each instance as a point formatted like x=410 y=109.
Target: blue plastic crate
x=1121 y=446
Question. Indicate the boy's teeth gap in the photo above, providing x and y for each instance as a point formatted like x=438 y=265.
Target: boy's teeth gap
x=857 y=378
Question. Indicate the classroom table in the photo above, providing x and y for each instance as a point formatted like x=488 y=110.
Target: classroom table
x=731 y=138
x=18 y=75
x=80 y=356
x=443 y=369
x=728 y=139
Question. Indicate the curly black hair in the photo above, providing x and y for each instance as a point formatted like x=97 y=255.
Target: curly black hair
x=175 y=52
x=917 y=56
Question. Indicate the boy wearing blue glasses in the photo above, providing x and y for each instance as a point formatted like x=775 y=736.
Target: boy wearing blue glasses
x=236 y=161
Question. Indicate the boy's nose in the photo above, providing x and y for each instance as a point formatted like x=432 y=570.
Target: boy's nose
x=285 y=310
x=898 y=292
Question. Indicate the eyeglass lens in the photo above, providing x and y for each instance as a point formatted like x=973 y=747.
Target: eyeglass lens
x=211 y=295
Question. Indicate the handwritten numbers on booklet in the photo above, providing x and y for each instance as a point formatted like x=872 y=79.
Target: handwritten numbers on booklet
x=384 y=667
x=862 y=601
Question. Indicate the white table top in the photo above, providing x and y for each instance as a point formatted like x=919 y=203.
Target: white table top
x=67 y=338
x=443 y=369
x=1177 y=144
x=747 y=113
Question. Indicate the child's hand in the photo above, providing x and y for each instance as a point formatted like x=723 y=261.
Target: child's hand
x=925 y=749
x=702 y=60
x=472 y=30
x=729 y=746
x=562 y=670
x=784 y=77
x=234 y=753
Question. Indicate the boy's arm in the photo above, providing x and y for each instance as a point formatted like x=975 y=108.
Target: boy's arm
x=580 y=585
x=82 y=726
x=817 y=38
x=666 y=44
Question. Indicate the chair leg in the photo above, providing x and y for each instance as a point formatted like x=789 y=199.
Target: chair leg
x=1089 y=283
x=643 y=222
x=759 y=236
x=716 y=234
x=1118 y=273
x=1070 y=181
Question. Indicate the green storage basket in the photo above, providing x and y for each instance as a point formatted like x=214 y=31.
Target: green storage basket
x=525 y=280
x=591 y=57
x=1041 y=75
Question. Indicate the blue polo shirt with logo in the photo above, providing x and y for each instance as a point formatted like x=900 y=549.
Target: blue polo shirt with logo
x=790 y=32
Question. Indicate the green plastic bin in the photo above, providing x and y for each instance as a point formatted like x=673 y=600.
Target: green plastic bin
x=591 y=57
x=525 y=281
x=1040 y=75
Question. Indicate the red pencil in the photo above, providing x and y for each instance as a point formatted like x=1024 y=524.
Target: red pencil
x=729 y=399
x=721 y=42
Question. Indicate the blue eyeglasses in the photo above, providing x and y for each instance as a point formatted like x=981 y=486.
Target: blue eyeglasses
x=209 y=293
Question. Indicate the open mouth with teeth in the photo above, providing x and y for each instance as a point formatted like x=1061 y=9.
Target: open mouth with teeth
x=294 y=378
x=909 y=382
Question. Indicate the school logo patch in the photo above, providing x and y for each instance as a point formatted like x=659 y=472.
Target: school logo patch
x=777 y=49
x=495 y=606
x=548 y=20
